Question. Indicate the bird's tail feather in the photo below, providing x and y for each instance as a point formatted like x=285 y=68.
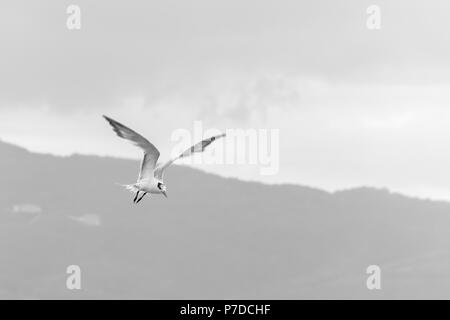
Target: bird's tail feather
x=131 y=187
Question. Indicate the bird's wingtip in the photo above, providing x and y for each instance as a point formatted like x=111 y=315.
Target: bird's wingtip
x=110 y=121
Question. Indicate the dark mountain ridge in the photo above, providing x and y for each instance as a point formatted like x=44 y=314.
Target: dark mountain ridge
x=213 y=237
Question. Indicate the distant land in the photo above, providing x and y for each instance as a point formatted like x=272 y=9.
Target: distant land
x=213 y=238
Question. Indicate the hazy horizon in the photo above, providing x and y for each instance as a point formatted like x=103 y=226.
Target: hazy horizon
x=325 y=174
x=353 y=106
x=269 y=242
x=204 y=168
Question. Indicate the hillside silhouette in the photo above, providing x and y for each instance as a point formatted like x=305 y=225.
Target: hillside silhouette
x=213 y=238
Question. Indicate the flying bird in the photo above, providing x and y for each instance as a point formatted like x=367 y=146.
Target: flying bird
x=151 y=175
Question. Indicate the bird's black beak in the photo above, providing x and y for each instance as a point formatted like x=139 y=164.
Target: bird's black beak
x=164 y=193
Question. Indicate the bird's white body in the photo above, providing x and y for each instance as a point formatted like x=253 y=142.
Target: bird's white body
x=145 y=185
x=150 y=178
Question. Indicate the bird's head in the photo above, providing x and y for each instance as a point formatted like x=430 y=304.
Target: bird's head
x=162 y=188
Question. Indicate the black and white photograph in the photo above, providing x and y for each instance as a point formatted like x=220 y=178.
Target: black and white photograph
x=226 y=150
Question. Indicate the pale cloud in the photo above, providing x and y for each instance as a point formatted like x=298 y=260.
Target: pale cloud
x=160 y=49
x=353 y=107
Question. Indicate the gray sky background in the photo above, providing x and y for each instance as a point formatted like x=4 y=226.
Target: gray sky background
x=354 y=106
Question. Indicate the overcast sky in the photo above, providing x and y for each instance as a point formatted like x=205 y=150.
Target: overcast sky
x=354 y=106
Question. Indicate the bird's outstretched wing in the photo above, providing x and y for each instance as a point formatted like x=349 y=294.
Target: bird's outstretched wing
x=199 y=147
x=151 y=154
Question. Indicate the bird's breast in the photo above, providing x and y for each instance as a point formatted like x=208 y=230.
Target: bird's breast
x=150 y=186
